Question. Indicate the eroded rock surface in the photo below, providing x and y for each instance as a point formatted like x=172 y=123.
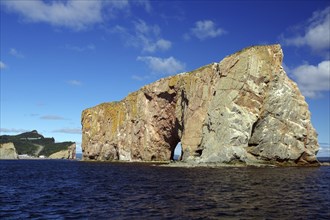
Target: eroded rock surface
x=244 y=109
x=69 y=154
x=8 y=151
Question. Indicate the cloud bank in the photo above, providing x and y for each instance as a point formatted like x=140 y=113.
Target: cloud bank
x=72 y=14
x=312 y=80
x=76 y=15
x=316 y=33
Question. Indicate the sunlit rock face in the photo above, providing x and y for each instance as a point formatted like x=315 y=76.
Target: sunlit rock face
x=70 y=153
x=244 y=109
x=8 y=151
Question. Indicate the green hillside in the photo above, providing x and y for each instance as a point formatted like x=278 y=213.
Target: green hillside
x=34 y=144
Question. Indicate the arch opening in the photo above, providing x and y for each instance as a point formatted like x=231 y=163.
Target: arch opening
x=177 y=152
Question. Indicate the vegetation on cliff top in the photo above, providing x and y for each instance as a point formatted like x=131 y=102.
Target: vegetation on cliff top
x=34 y=144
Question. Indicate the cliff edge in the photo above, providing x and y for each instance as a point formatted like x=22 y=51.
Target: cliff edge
x=8 y=151
x=244 y=109
x=69 y=153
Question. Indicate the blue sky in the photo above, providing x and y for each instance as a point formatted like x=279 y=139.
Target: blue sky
x=60 y=57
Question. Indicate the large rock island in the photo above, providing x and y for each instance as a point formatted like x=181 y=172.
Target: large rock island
x=244 y=109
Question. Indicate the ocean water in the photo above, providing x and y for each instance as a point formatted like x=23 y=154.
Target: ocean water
x=59 y=189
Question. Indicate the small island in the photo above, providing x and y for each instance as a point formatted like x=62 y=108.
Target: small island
x=32 y=145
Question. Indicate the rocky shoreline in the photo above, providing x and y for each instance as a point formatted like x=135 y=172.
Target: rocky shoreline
x=29 y=157
x=184 y=164
x=325 y=163
x=218 y=165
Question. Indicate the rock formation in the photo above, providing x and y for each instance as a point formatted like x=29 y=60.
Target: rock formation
x=244 y=109
x=8 y=151
x=69 y=154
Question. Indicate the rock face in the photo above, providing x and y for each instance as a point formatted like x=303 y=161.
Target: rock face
x=72 y=151
x=8 y=151
x=65 y=154
x=244 y=109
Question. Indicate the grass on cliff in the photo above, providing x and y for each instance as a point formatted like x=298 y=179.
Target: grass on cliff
x=25 y=147
x=55 y=147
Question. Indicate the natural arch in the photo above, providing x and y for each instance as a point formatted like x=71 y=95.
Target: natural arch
x=176 y=153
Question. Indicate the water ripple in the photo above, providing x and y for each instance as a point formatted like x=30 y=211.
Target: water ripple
x=50 y=189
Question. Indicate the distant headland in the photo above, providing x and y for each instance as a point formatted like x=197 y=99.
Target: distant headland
x=32 y=145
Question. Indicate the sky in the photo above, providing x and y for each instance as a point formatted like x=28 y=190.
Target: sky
x=58 y=58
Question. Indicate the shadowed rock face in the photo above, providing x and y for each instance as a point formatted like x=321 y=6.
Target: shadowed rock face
x=243 y=109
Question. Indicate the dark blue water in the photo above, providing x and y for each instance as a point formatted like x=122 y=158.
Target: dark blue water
x=57 y=189
x=324 y=159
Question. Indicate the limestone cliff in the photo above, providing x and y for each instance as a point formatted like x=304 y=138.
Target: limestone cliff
x=70 y=153
x=244 y=109
x=8 y=151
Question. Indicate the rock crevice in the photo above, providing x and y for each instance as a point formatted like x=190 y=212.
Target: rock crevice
x=243 y=109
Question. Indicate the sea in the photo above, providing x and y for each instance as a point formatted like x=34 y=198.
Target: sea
x=63 y=189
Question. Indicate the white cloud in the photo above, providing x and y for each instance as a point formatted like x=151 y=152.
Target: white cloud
x=313 y=80
x=144 y=36
x=15 y=53
x=163 y=65
x=68 y=130
x=163 y=44
x=72 y=14
x=77 y=15
x=2 y=65
x=142 y=27
x=52 y=117
x=205 y=29
x=74 y=82
x=13 y=130
x=316 y=33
